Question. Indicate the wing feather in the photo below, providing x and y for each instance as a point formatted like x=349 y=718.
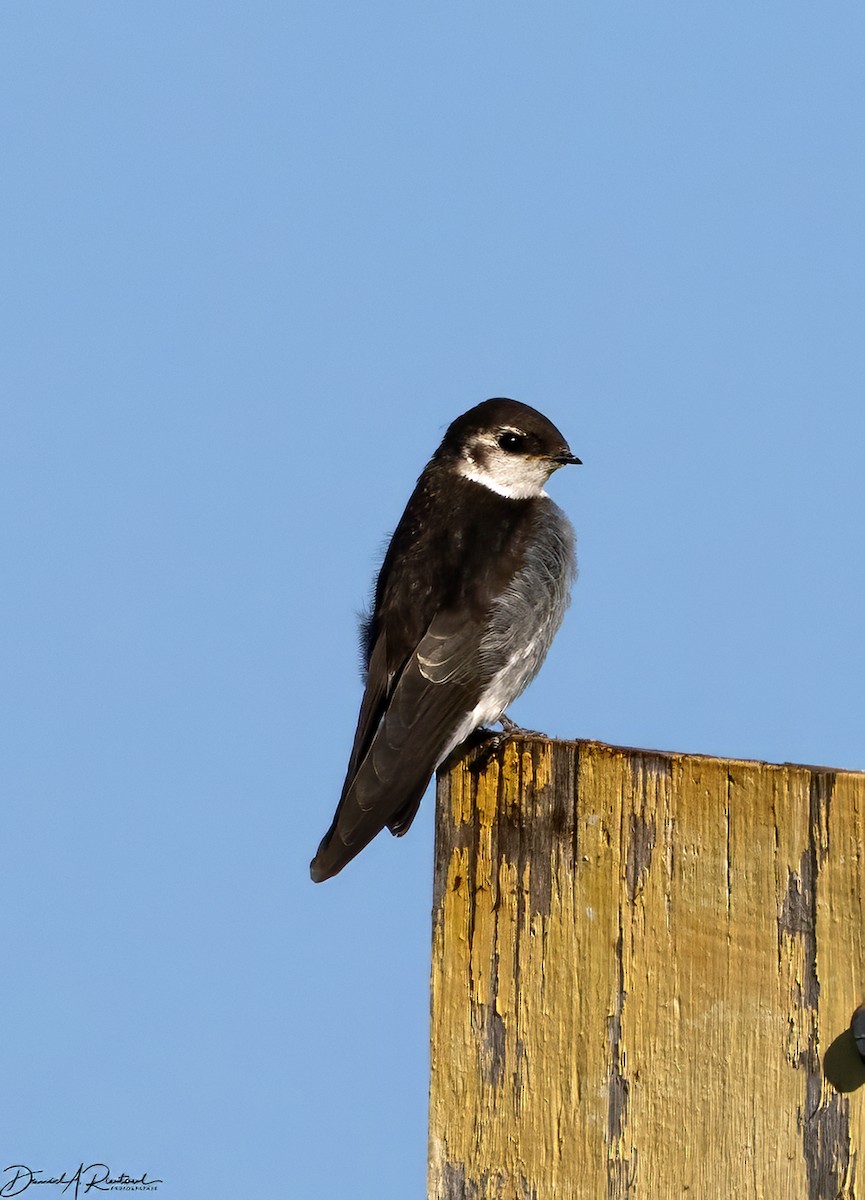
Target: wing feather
x=429 y=704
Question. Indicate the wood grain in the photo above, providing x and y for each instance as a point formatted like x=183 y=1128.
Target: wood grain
x=644 y=967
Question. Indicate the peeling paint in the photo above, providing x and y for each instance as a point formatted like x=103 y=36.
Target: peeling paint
x=826 y=1140
x=797 y=919
x=619 y=1175
x=635 y=972
x=641 y=843
x=493 y=1056
x=456 y=1185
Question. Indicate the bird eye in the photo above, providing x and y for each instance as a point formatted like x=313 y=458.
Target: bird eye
x=512 y=442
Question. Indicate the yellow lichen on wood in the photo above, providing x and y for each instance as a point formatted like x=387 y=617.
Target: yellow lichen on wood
x=643 y=970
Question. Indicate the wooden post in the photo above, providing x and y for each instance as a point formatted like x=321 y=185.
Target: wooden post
x=644 y=968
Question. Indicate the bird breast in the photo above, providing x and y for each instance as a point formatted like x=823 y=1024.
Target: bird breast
x=525 y=618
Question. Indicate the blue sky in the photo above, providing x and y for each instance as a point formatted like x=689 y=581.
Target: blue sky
x=255 y=258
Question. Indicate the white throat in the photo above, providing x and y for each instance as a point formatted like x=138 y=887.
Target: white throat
x=514 y=488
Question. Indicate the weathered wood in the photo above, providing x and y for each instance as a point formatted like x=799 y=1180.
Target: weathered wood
x=644 y=968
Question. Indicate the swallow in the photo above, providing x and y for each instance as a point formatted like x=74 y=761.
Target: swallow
x=472 y=590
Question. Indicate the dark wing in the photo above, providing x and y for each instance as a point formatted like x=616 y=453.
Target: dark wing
x=456 y=546
x=431 y=701
x=380 y=677
x=400 y=615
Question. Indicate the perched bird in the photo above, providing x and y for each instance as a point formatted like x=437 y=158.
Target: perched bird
x=472 y=590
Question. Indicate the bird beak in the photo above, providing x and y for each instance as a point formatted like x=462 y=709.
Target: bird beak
x=564 y=460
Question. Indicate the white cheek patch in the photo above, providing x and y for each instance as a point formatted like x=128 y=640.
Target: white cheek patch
x=516 y=485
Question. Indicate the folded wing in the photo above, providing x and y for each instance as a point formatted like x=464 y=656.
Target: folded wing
x=409 y=722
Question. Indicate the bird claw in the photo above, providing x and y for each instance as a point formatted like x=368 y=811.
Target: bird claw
x=487 y=747
x=512 y=729
x=486 y=743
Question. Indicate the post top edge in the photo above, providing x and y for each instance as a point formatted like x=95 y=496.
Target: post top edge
x=677 y=755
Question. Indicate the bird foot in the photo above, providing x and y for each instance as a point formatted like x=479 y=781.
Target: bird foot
x=486 y=743
x=512 y=729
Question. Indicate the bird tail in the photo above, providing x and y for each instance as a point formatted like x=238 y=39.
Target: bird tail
x=355 y=826
x=332 y=855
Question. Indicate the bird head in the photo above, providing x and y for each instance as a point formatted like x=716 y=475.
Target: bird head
x=506 y=446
